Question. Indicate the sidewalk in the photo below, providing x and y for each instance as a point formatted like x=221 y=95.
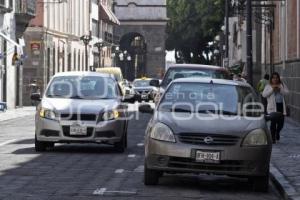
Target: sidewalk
x=17 y=113
x=285 y=161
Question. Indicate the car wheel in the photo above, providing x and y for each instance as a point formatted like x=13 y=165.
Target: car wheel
x=121 y=145
x=151 y=177
x=42 y=146
x=260 y=184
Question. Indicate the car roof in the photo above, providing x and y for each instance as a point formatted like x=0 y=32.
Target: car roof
x=211 y=80
x=81 y=73
x=197 y=66
x=109 y=70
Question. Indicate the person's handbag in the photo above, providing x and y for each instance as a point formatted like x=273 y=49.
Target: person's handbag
x=274 y=116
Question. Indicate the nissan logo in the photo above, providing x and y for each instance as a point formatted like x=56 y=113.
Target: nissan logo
x=208 y=140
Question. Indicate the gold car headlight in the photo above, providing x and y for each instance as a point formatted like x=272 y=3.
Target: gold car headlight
x=162 y=132
x=256 y=137
x=110 y=115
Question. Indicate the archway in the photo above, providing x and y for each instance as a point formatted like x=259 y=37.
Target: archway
x=133 y=62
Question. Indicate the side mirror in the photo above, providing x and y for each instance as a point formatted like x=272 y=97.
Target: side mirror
x=154 y=82
x=35 y=97
x=146 y=108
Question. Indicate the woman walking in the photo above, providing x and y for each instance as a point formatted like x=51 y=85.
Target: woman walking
x=275 y=92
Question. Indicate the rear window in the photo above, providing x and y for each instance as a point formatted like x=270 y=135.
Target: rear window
x=175 y=73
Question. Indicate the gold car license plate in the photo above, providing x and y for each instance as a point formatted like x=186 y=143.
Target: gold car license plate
x=207 y=157
x=78 y=130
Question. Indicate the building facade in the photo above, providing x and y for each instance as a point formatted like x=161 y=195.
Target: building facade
x=276 y=44
x=14 y=18
x=53 y=42
x=66 y=36
x=142 y=37
x=103 y=21
x=284 y=43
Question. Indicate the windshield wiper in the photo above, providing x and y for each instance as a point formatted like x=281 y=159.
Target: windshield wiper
x=180 y=110
x=223 y=112
x=76 y=97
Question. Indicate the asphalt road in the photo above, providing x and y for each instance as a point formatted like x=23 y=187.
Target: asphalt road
x=72 y=172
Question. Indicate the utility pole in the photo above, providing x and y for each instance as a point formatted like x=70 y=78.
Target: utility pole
x=226 y=32
x=249 y=42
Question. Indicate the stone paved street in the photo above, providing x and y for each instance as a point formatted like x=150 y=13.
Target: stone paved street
x=98 y=172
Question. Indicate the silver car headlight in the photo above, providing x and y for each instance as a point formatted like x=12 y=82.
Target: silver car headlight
x=256 y=137
x=110 y=115
x=162 y=132
x=47 y=114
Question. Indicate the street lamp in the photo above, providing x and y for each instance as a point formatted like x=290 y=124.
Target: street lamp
x=115 y=52
x=100 y=45
x=125 y=57
x=86 y=40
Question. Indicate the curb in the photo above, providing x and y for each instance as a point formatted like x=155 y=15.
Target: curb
x=286 y=190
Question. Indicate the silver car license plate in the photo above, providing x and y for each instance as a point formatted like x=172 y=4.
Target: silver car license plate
x=78 y=130
x=207 y=157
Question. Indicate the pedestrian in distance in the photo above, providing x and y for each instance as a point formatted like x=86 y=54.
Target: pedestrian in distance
x=260 y=88
x=275 y=92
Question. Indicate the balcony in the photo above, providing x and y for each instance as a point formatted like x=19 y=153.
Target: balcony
x=25 y=11
x=6 y=7
x=25 y=8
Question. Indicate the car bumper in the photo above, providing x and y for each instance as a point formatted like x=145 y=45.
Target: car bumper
x=59 y=131
x=181 y=158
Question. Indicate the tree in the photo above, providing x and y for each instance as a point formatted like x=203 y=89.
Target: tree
x=193 y=24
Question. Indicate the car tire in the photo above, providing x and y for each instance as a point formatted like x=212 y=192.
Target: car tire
x=121 y=145
x=260 y=184
x=42 y=146
x=151 y=177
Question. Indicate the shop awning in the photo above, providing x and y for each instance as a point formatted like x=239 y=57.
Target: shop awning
x=108 y=16
x=7 y=38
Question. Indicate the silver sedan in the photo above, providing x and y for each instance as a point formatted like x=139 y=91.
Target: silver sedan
x=81 y=107
x=208 y=126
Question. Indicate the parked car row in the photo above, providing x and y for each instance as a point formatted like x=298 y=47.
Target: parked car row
x=202 y=122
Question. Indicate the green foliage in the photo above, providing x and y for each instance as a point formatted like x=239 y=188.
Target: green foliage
x=193 y=23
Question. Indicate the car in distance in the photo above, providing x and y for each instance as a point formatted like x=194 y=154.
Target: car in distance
x=129 y=91
x=81 y=107
x=208 y=126
x=189 y=71
x=143 y=90
x=117 y=73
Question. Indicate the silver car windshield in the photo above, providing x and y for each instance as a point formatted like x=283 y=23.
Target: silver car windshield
x=208 y=98
x=78 y=87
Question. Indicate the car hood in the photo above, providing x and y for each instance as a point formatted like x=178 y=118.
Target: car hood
x=200 y=123
x=79 y=105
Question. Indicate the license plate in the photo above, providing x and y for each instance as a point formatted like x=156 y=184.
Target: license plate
x=144 y=96
x=78 y=130
x=207 y=157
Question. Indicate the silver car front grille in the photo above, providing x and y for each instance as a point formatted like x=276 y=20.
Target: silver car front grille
x=207 y=139
x=78 y=117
